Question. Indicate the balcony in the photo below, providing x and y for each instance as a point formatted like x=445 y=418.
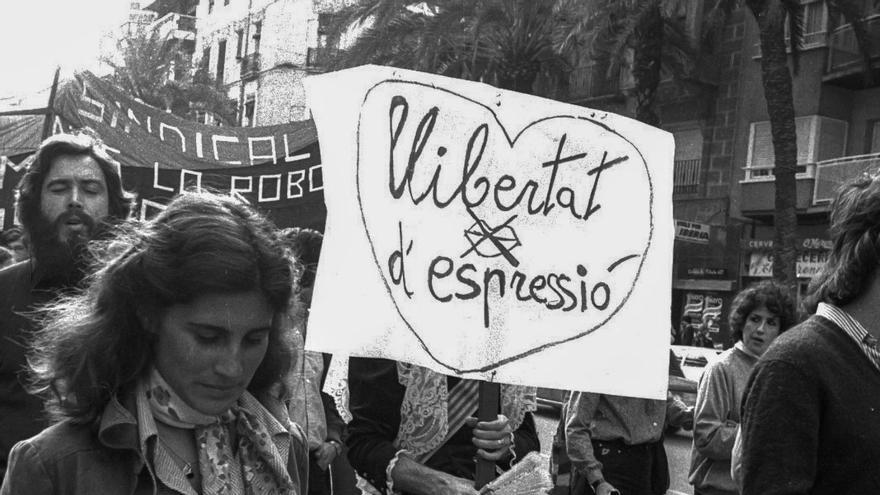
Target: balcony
x=845 y=66
x=175 y=26
x=320 y=57
x=758 y=191
x=831 y=174
x=250 y=66
x=593 y=81
x=686 y=176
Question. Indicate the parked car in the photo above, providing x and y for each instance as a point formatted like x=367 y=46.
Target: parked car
x=693 y=360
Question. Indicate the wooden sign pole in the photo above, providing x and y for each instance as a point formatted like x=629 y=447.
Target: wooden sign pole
x=490 y=402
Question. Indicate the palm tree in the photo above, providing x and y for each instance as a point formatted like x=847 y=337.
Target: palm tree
x=153 y=69
x=772 y=17
x=508 y=43
x=651 y=30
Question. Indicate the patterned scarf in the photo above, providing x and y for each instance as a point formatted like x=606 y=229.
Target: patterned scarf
x=253 y=467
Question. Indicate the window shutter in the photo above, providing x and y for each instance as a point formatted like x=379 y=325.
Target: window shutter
x=688 y=144
x=803 y=128
x=762 y=145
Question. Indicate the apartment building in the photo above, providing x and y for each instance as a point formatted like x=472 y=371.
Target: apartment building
x=260 y=51
x=701 y=114
x=837 y=117
x=724 y=191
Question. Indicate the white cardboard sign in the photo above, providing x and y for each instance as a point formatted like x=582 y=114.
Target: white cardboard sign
x=490 y=234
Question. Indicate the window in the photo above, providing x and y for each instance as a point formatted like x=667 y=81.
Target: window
x=873 y=136
x=225 y=2
x=815 y=24
x=210 y=6
x=206 y=59
x=258 y=32
x=239 y=43
x=818 y=138
x=221 y=61
x=250 y=104
x=688 y=161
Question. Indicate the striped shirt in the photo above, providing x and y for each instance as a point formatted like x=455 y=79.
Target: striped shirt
x=867 y=343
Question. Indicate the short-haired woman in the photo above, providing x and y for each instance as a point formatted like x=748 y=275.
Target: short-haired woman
x=758 y=315
x=166 y=373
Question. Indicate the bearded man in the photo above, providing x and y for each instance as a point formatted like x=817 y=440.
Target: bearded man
x=70 y=193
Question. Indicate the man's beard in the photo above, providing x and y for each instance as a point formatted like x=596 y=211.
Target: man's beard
x=64 y=256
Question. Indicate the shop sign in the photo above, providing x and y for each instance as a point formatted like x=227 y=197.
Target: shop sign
x=706 y=272
x=806 y=243
x=808 y=263
x=692 y=232
x=694 y=304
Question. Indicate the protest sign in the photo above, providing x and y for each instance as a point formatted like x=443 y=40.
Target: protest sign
x=492 y=235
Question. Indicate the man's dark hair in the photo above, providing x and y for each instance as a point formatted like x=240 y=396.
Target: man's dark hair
x=854 y=229
x=83 y=143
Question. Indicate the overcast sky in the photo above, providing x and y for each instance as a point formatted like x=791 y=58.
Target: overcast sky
x=38 y=35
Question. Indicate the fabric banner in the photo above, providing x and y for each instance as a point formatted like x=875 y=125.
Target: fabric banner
x=493 y=235
x=276 y=168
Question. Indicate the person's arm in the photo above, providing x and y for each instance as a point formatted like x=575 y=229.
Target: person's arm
x=335 y=423
x=26 y=474
x=579 y=412
x=525 y=440
x=714 y=434
x=375 y=397
x=374 y=401
x=780 y=431
x=412 y=477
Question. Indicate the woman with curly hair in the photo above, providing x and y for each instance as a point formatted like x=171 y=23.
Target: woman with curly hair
x=758 y=315
x=166 y=372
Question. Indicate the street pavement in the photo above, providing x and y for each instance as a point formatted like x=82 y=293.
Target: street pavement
x=678 y=450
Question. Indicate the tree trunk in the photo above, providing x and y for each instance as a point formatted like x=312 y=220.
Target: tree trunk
x=780 y=105
x=646 y=64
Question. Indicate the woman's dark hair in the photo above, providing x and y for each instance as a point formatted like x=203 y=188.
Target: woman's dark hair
x=93 y=345
x=774 y=296
x=854 y=230
x=83 y=143
x=306 y=246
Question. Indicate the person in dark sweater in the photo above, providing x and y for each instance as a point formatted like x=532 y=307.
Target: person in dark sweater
x=811 y=410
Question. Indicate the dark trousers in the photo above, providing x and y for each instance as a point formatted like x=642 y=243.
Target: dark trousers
x=634 y=469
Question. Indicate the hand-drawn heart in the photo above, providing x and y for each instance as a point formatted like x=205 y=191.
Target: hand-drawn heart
x=492 y=245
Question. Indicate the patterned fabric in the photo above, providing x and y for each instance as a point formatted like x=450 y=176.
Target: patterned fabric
x=463 y=401
x=867 y=342
x=254 y=467
x=336 y=385
x=424 y=412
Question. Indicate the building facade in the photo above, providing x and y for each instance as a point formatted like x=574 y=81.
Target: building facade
x=837 y=119
x=723 y=199
x=260 y=51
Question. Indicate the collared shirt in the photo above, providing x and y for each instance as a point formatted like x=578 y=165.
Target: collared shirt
x=866 y=342
x=168 y=471
x=591 y=416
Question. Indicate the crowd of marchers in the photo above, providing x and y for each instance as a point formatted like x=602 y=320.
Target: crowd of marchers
x=167 y=356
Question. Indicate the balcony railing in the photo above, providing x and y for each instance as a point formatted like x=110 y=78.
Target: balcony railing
x=831 y=174
x=592 y=81
x=686 y=176
x=175 y=25
x=250 y=66
x=843 y=51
